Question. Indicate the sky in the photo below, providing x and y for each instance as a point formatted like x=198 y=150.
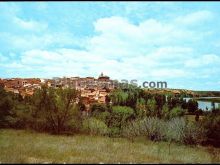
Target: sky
x=176 y=42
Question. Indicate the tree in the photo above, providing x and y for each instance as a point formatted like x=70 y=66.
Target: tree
x=211 y=123
x=140 y=108
x=101 y=112
x=213 y=105
x=151 y=107
x=192 y=105
x=160 y=101
x=98 y=108
x=119 y=97
x=165 y=112
x=176 y=112
x=56 y=107
x=120 y=115
x=6 y=106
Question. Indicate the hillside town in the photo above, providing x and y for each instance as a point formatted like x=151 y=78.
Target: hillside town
x=92 y=90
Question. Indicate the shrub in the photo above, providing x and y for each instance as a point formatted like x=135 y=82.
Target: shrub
x=94 y=126
x=192 y=106
x=114 y=132
x=100 y=111
x=120 y=115
x=97 y=108
x=211 y=124
x=194 y=133
x=176 y=130
x=103 y=116
x=176 y=112
x=6 y=106
x=165 y=112
x=131 y=130
x=151 y=127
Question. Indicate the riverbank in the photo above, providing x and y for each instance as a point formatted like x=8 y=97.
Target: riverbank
x=207 y=99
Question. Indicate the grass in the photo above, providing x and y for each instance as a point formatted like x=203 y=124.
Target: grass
x=20 y=146
x=192 y=117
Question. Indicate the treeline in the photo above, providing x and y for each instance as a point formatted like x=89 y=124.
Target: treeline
x=48 y=110
x=127 y=113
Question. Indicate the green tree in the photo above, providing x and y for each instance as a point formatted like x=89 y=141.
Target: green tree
x=160 y=101
x=101 y=112
x=192 y=105
x=119 y=97
x=211 y=123
x=176 y=112
x=120 y=115
x=165 y=112
x=151 y=107
x=6 y=106
x=141 y=108
x=56 y=107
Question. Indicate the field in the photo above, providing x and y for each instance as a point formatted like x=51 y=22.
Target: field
x=19 y=146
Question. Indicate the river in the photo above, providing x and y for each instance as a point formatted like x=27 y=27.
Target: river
x=205 y=105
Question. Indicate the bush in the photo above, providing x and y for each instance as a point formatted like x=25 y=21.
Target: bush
x=100 y=111
x=211 y=124
x=120 y=115
x=192 y=106
x=6 y=106
x=97 y=108
x=151 y=127
x=194 y=133
x=94 y=126
x=131 y=130
x=176 y=130
x=114 y=132
x=103 y=116
x=181 y=131
x=176 y=112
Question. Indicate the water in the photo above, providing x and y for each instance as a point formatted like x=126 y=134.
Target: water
x=205 y=105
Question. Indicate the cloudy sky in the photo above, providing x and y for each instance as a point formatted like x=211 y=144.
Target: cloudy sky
x=177 y=42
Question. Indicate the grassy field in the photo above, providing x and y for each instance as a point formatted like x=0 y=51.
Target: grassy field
x=19 y=146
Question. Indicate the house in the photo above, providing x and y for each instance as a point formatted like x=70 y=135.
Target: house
x=102 y=77
x=2 y=83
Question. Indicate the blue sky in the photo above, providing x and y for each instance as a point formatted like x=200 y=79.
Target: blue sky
x=177 y=42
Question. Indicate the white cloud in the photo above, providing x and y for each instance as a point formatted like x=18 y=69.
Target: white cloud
x=30 y=25
x=168 y=73
x=195 y=17
x=152 y=49
x=24 y=42
x=203 y=61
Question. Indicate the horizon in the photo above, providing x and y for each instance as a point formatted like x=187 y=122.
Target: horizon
x=147 y=41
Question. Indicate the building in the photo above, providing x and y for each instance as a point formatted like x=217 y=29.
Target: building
x=92 y=90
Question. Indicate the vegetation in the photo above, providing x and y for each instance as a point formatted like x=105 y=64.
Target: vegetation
x=19 y=146
x=130 y=112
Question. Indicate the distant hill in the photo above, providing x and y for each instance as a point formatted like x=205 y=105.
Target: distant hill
x=185 y=92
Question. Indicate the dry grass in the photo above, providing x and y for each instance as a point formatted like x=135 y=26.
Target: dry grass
x=18 y=146
x=192 y=117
